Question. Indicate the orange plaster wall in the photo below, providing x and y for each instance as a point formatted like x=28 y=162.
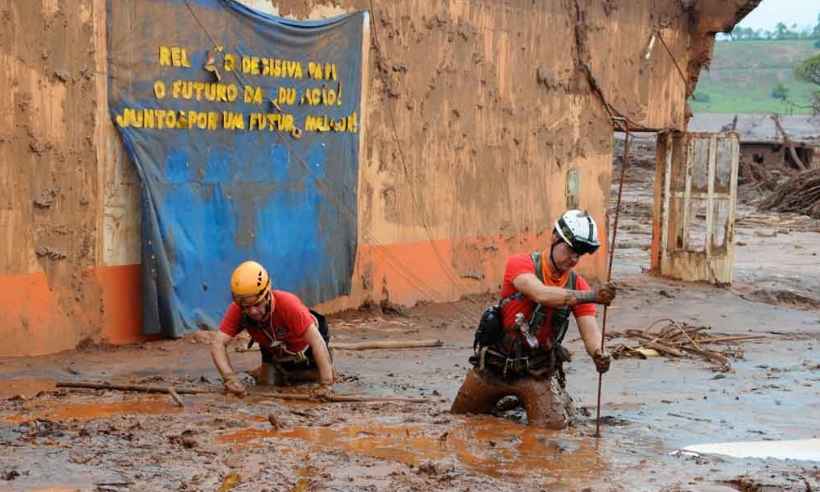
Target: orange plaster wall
x=122 y=301
x=442 y=270
x=29 y=322
x=32 y=321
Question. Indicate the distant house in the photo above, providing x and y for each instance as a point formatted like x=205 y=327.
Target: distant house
x=772 y=154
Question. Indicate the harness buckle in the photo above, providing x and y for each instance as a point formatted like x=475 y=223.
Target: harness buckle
x=516 y=365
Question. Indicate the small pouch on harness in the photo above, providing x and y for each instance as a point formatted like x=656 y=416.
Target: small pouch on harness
x=490 y=329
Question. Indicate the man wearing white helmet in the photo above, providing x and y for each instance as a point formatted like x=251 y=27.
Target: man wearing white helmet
x=518 y=343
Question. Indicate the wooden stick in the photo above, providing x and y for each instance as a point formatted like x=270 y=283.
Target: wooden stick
x=624 y=165
x=387 y=344
x=133 y=387
x=661 y=347
x=175 y=396
x=789 y=144
x=732 y=339
x=341 y=398
x=709 y=355
x=336 y=398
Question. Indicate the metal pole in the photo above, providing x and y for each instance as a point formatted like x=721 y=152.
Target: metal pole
x=624 y=164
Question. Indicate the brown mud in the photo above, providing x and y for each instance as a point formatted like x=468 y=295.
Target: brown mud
x=103 y=440
x=546 y=403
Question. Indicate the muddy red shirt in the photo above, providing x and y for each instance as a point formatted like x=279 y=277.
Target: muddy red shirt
x=288 y=323
x=520 y=264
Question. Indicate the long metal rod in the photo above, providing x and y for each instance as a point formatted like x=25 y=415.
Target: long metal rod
x=624 y=165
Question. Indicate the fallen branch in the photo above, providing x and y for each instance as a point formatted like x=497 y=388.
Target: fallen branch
x=342 y=398
x=134 y=387
x=733 y=339
x=369 y=345
x=174 y=392
x=175 y=396
x=787 y=141
x=387 y=344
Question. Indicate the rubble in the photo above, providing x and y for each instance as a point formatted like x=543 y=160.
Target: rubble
x=678 y=339
x=799 y=194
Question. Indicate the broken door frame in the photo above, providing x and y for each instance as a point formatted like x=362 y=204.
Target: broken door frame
x=671 y=254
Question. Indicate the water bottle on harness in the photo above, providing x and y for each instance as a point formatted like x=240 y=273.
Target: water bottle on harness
x=522 y=355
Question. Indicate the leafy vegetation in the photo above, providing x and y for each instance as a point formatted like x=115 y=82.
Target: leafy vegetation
x=781 y=32
x=744 y=76
x=809 y=71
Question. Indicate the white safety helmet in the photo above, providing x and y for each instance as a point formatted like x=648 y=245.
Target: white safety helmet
x=578 y=229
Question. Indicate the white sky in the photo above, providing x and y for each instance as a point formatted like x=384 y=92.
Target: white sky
x=770 y=12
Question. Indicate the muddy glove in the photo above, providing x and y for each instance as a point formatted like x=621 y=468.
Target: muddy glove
x=605 y=294
x=233 y=385
x=601 y=358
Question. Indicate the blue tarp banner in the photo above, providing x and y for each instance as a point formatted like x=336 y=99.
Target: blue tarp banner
x=244 y=129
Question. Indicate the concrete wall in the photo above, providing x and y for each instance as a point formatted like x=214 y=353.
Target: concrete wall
x=476 y=112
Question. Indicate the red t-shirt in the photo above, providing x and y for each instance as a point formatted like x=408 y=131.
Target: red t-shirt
x=289 y=321
x=520 y=264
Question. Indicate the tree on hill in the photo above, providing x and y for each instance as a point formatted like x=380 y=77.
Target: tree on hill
x=780 y=31
x=816 y=32
x=809 y=71
x=780 y=91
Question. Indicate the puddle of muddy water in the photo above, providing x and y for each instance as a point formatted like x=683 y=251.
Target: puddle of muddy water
x=25 y=388
x=488 y=445
x=802 y=450
x=97 y=410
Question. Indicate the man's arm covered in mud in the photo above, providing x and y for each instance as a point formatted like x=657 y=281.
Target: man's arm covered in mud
x=557 y=297
x=320 y=354
x=219 y=354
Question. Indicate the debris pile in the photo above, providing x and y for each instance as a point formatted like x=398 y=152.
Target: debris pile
x=677 y=339
x=800 y=194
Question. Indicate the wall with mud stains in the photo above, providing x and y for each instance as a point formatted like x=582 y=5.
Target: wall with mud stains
x=476 y=112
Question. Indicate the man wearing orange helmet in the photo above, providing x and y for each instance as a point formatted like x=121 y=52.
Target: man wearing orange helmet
x=293 y=340
x=518 y=342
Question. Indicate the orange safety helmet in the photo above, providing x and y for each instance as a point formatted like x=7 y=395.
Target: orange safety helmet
x=250 y=283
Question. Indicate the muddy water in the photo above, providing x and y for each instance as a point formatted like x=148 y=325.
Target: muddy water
x=490 y=446
x=25 y=388
x=92 y=411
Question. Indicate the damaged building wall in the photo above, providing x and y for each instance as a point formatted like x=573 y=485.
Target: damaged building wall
x=49 y=172
x=475 y=114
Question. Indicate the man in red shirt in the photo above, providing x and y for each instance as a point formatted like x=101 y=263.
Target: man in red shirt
x=518 y=346
x=293 y=340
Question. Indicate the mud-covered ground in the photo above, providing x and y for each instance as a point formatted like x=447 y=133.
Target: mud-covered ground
x=103 y=440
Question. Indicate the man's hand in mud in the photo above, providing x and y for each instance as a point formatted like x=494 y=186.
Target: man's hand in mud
x=233 y=385
x=602 y=359
x=605 y=294
x=321 y=391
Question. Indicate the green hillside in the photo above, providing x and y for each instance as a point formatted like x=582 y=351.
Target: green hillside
x=744 y=73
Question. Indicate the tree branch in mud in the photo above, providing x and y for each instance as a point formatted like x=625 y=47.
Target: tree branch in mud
x=676 y=339
x=133 y=387
x=332 y=398
x=387 y=344
x=371 y=345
